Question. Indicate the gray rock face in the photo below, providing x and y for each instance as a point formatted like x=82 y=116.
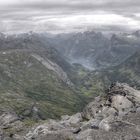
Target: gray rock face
x=115 y=116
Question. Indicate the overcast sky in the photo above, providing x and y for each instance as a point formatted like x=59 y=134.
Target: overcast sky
x=69 y=15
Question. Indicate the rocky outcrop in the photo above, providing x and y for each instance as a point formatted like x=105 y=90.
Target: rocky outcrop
x=7 y=118
x=10 y=124
x=120 y=99
x=114 y=116
x=111 y=117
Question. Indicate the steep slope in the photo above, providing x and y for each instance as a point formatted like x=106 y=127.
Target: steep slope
x=121 y=47
x=33 y=79
x=81 y=48
x=96 y=51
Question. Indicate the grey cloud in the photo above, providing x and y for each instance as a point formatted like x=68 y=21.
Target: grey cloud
x=116 y=5
x=29 y=14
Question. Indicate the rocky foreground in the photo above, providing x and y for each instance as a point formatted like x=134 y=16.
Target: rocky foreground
x=114 y=116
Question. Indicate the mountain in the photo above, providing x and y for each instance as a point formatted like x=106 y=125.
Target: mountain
x=122 y=65
x=128 y=71
x=81 y=48
x=34 y=78
x=45 y=76
x=96 y=50
x=115 y=115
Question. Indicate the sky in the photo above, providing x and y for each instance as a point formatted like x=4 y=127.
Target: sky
x=58 y=16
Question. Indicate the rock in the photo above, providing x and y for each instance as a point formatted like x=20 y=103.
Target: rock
x=75 y=119
x=7 y=118
x=104 y=124
x=138 y=128
x=1 y=134
x=72 y=121
x=123 y=89
x=18 y=137
x=91 y=124
x=138 y=109
x=92 y=109
x=121 y=103
x=60 y=135
x=39 y=130
x=54 y=125
x=85 y=135
x=76 y=131
x=94 y=126
x=107 y=111
x=45 y=132
x=65 y=117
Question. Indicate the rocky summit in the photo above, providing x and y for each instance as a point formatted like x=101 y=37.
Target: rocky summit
x=112 y=116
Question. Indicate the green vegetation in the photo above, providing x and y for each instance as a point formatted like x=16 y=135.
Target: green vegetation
x=26 y=82
x=126 y=72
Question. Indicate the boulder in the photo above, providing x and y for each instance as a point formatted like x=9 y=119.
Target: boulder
x=121 y=103
x=93 y=108
x=91 y=124
x=7 y=118
x=75 y=119
x=105 y=123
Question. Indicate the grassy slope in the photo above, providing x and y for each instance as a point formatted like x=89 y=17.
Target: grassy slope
x=25 y=82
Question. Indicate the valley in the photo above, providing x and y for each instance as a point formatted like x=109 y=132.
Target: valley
x=44 y=76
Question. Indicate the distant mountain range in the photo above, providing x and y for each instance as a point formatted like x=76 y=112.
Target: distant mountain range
x=95 y=50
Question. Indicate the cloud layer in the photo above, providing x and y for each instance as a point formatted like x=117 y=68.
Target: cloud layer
x=69 y=15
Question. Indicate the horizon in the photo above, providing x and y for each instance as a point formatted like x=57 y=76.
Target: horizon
x=72 y=32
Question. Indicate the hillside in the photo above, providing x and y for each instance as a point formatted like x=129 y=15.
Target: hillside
x=127 y=71
x=38 y=81
x=34 y=79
